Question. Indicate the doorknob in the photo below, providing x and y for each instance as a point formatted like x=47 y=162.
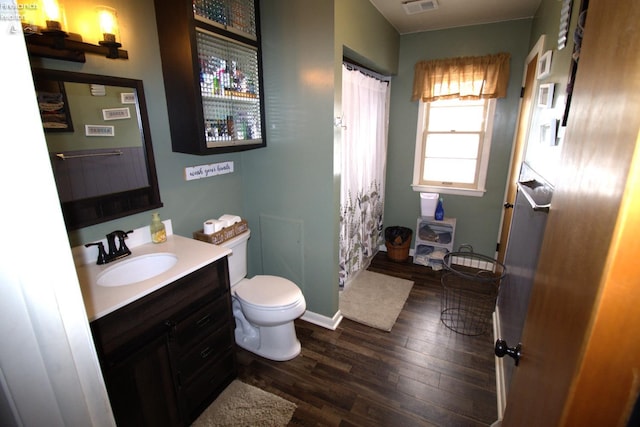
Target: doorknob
x=508 y=205
x=502 y=349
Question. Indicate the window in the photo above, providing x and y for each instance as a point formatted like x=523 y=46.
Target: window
x=452 y=146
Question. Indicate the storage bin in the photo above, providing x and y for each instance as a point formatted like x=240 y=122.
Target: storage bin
x=469 y=290
x=398 y=242
x=428 y=203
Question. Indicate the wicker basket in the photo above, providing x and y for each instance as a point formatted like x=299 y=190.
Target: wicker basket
x=397 y=249
x=223 y=235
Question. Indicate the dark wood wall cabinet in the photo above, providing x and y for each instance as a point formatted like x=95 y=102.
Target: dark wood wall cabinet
x=212 y=66
x=168 y=355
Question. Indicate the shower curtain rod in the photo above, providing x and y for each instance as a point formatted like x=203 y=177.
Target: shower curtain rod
x=366 y=71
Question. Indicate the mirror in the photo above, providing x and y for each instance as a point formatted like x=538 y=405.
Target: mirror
x=99 y=144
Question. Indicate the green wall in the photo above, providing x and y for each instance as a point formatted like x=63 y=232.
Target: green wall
x=187 y=204
x=86 y=109
x=289 y=191
x=478 y=218
x=291 y=187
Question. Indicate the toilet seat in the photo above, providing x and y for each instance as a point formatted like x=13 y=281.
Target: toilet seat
x=268 y=293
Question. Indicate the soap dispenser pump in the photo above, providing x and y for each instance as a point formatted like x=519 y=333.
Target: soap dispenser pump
x=158 y=232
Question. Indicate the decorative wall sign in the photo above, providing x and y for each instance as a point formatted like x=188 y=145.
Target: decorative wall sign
x=99 y=130
x=544 y=65
x=116 y=113
x=128 y=98
x=207 y=171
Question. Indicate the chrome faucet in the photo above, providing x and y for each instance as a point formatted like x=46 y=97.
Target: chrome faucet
x=115 y=251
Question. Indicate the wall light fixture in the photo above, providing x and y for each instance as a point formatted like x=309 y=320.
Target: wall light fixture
x=45 y=33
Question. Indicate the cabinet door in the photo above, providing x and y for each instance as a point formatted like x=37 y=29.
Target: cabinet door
x=141 y=388
x=230 y=89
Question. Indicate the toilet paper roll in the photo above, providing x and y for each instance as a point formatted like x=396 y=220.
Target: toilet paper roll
x=211 y=226
x=208 y=227
x=229 y=220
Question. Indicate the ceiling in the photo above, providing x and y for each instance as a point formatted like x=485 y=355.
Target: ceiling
x=453 y=13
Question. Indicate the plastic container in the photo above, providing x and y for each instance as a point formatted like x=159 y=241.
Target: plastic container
x=158 y=232
x=428 y=203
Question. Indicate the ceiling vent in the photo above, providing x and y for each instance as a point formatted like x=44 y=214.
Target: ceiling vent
x=413 y=7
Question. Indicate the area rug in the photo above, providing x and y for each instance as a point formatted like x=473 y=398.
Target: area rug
x=374 y=299
x=242 y=404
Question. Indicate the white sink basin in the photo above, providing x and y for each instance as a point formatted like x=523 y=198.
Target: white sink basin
x=137 y=269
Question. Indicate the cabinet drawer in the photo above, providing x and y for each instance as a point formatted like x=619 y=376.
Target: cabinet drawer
x=205 y=352
x=208 y=384
x=133 y=325
x=198 y=325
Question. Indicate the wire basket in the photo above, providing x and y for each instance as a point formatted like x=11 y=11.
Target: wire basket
x=469 y=290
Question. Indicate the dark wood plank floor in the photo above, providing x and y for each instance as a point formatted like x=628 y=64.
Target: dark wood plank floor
x=419 y=374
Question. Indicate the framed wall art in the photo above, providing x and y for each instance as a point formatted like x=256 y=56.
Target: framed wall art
x=545 y=95
x=544 y=65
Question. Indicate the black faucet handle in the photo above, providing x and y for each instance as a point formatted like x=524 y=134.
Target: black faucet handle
x=123 y=249
x=102 y=255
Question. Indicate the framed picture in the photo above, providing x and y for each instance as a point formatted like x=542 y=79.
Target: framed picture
x=548 y=132
x=99 y=130
x=116 y=113
x=545 y=95
x=544 y=65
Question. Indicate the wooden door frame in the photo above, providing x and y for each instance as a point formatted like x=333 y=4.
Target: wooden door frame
x=517 y=153
x=518 y=147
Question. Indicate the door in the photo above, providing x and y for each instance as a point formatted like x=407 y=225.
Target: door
x=521 y=260
x=522 y=131
x=581 y=354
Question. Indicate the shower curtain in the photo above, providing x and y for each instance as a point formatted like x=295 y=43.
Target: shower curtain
x=365 y=116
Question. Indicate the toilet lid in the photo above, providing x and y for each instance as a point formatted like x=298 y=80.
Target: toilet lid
x=268 y=291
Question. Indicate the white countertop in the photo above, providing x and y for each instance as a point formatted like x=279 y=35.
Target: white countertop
x=100 y=300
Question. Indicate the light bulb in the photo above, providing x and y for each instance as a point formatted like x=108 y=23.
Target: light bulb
x=108 y=21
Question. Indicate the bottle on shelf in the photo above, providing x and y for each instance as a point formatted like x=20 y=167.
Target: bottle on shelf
x=439 y=213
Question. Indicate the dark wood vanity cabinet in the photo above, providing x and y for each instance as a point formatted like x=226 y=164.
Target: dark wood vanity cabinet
x=166 y=356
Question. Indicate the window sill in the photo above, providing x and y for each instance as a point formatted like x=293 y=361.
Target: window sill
x=449 y=190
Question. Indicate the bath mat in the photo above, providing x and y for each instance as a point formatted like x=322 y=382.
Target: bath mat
x=242 y=404
x=374 y=299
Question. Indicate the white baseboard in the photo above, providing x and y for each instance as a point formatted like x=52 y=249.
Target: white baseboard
x=324 y=321
x=501 y=391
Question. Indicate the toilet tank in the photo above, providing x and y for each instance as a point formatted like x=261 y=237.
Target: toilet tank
x=238 y=259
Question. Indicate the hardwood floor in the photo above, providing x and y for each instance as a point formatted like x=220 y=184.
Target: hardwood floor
x=419 y=374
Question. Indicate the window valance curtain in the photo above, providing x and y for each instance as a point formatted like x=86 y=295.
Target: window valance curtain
x=467 y=78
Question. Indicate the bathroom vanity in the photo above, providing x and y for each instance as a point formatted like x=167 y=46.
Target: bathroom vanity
x=166 y=343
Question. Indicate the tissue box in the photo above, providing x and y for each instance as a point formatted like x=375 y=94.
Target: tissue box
x=223 y=235
x=428 y=203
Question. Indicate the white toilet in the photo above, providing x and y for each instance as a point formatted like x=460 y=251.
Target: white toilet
x=264 y=307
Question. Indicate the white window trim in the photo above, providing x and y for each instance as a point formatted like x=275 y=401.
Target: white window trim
x=484 y=160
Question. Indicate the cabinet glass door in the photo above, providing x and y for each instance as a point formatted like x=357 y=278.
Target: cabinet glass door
x=233 y=15
x=230 y=88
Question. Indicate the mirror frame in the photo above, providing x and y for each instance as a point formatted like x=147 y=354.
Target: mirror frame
x=117 y=205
